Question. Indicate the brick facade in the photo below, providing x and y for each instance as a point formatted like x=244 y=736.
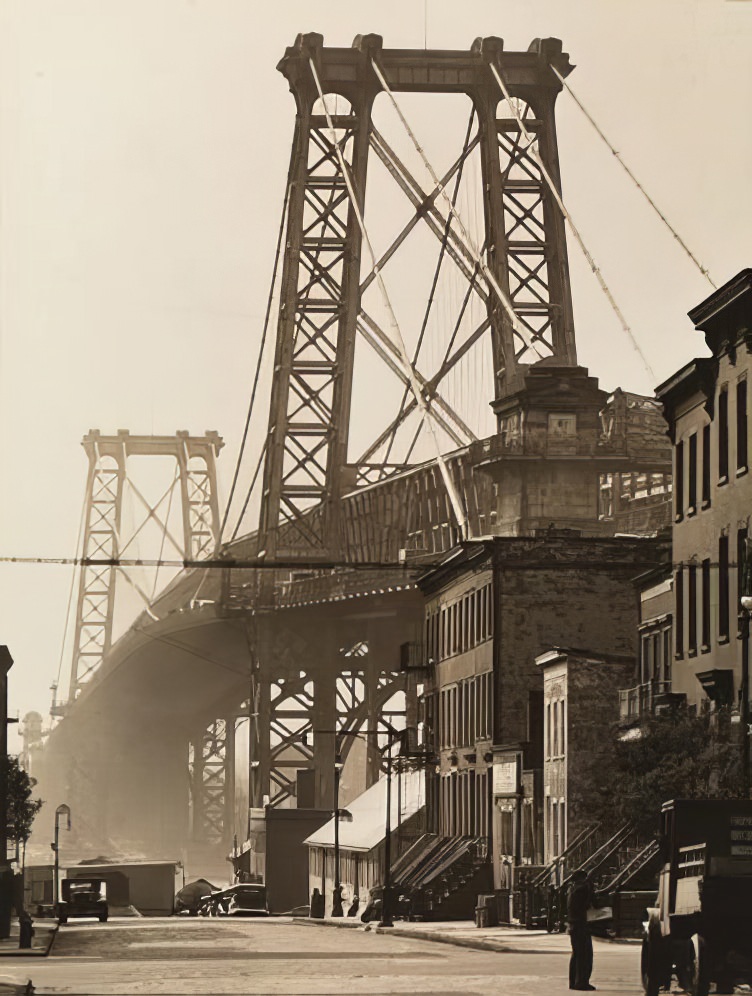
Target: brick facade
x=546 y=591
x=580 y=710
x=706 y=405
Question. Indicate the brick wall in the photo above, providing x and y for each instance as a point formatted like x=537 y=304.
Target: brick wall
x=574 y=593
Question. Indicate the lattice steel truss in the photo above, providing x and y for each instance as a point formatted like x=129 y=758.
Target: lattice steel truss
x=103 y=538
x=323 y=280
x=289 y=705
x=211 y=764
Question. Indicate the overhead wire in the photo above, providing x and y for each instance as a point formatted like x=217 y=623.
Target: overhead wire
x=534 y=151
x=703 y=269
x=398 y=340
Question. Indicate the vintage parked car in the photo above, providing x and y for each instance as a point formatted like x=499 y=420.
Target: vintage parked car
x=82 y=897
x=243 y=899
x=190 y=898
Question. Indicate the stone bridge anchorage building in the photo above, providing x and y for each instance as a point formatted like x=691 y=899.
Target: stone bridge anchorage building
x=294 y=631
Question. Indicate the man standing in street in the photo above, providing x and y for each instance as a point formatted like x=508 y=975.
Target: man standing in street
x=581 y=961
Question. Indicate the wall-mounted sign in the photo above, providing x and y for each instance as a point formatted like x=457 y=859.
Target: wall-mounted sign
x=506 y=775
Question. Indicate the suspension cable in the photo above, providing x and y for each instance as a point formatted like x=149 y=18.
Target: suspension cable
x=470 y=245
x=259 y=359
x=398 y=340
x=533 y=149
x=244 y=509
x=437 y=272
x=703 y=270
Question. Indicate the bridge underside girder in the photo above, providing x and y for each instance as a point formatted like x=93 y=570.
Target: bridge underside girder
x=153 y=759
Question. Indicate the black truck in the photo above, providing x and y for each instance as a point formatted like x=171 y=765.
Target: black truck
x=701 y=926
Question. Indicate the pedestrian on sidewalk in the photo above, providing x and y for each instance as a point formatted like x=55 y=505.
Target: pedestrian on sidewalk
x=581 y=960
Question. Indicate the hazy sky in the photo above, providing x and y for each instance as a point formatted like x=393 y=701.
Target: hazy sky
x=143 y=153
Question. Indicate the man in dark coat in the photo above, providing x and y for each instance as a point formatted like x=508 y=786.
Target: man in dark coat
x=581 y=961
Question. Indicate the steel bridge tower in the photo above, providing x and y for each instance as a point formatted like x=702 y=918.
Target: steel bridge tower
x=103 y=540
x=321 y=311
x=321 y=314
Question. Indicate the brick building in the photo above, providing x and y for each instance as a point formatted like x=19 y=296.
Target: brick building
x=580 y=709
x=492 y=607
x=707 y=409
x=650 y=687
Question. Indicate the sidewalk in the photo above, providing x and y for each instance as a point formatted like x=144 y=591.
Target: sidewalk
x=41 y=942
x=465 y=934
x=461 y=932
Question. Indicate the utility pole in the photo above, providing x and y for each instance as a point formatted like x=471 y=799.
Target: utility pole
x=386 y=913
x=337 y=888
x=6 y=875
x=745 y=608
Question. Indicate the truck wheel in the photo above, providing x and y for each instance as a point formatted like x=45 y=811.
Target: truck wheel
x=62 y=919
x=650 y=967
x=698 y=979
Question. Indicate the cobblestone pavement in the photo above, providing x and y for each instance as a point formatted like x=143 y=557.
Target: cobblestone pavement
x=286 y=958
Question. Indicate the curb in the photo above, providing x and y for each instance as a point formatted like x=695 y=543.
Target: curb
x=36 y=952
x=421 y=935
x=481 y=944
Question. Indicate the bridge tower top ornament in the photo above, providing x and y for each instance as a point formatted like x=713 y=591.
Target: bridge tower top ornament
x=522 y=277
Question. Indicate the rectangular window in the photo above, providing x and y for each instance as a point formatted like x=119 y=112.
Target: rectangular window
x=564 y=737
x=679 y=480
x=556 y=729
x=723 y=588
x=741 y=425
x=723 y=436
x=706 y=605
x=644 y=660
x=705 y=466
x=741 y=553
x=667 y=656
x=692 y=473
x=679 y=611
x=548 y=730
x=692 y=608
x=555 y=828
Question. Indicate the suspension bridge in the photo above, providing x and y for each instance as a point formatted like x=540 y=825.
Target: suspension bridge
x=371 y=469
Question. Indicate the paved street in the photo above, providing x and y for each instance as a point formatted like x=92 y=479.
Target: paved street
x=185 y=956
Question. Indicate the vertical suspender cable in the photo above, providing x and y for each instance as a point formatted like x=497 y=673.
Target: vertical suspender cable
x=532 y=140
x=257 y=373
x=703 y=270
x=517 y=325
x=399 y=342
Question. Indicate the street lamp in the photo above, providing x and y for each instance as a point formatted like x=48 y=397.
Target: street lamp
x=746 y=609
x=62 y=810
x=337 y=890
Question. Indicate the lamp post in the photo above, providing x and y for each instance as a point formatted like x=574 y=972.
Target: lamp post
x=337 y=890
x=62 y=810
x=386 y=913
x=744 y=613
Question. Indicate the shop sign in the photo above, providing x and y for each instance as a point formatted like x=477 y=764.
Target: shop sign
x=506 y=777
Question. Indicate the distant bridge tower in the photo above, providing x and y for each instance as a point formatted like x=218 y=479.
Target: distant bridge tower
x=322 y=280
x=103 y=539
